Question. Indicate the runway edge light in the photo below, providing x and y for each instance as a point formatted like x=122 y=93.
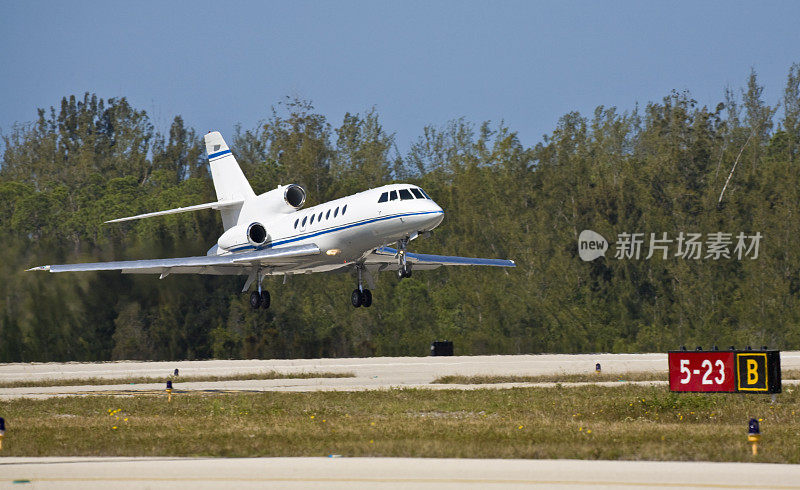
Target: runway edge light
x=2 y=431
x=754 y=435
x=597 y=368
x=169 y=390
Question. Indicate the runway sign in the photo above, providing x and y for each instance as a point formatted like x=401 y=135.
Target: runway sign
x=725 y=371
x=758 y=372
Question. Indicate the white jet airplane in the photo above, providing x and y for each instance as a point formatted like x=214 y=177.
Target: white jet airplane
x=270 y=234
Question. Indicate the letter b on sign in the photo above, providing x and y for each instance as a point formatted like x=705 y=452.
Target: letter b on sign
x=752 y=372
x=752 y=369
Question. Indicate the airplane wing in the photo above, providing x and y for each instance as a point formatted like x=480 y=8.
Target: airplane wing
x=386 y=258
x=229 y=264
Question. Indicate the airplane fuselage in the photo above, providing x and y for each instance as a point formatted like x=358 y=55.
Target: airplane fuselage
x=348 y=228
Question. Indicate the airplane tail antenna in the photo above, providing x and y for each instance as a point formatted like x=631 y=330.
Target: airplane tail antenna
x=229 y=181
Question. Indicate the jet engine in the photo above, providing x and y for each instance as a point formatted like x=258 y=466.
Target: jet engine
x=253 y=235
x=284 y=199
x=294 y=195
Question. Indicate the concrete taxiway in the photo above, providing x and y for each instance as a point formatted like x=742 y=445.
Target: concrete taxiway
x=387 y=473
x=370 y=373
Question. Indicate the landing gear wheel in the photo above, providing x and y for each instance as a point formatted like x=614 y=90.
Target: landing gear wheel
x=366 y=298
x=404 y=272
x=356 y=298
x=255 y=300
x=265 y=300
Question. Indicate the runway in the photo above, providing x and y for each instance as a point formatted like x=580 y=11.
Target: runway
x=387 y=473
x=370 y=373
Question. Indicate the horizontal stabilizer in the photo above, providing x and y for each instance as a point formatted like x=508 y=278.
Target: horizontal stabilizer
x=209 y=205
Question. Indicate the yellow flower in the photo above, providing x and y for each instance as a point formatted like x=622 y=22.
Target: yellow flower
x=372 y=423
x=312 y=416
x=520 y=427
x=588 y=431
x=371 y=441
x=115 y=427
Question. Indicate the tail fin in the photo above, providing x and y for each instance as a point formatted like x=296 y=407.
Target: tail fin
x=229 y=181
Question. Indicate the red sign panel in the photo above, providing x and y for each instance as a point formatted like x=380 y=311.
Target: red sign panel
x=702 y=371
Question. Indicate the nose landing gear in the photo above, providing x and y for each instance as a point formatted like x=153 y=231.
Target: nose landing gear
x=405 y=267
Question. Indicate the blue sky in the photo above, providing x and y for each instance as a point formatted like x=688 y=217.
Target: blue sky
x=527 y=63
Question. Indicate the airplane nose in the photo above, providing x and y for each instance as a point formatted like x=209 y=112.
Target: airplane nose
x=436 y=216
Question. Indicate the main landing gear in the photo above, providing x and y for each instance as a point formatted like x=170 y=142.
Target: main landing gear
x=258 y=298
x=361 y=298
x=405 y=267
x=261 y=299
x=360 y=295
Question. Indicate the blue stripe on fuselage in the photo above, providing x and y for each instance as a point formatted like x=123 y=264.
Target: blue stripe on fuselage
x=339 y=228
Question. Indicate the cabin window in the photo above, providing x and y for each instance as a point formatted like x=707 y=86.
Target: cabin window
x=384 y=197
x=304 y=222
x=319 y=218
x=336 y=211
x=405 y=195
x=328 y=214
x=393 y=196
x=296 y=222
x=417 y=193
x=344 y=209
x=312 y=220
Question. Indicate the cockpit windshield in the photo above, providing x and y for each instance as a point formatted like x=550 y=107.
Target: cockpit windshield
x=404 y=194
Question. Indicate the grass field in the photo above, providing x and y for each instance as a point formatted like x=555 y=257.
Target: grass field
x=586 y=422
x=163 y=379
x=551 y=378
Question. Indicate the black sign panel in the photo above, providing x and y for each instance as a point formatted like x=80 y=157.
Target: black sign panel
x=758 y=372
